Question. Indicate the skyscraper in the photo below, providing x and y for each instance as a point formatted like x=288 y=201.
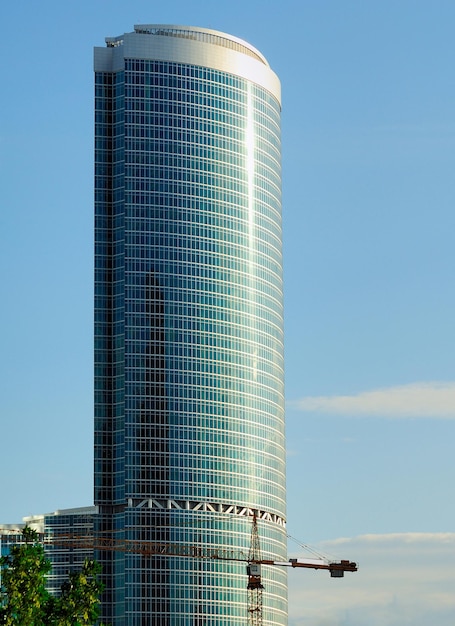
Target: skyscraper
x=189 y=417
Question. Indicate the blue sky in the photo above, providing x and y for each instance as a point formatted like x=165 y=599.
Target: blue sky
x=368 y=156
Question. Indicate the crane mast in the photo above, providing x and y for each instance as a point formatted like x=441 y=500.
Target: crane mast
x=254 y=586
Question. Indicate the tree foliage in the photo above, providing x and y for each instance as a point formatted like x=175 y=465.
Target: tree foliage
x=24 y=600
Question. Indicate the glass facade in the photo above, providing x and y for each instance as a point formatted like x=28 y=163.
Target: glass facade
x=189 y=418
x=65 y=556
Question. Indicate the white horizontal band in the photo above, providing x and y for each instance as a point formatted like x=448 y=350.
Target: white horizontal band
x=214 y=507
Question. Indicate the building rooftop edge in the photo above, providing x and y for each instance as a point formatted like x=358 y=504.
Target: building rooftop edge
x=73 y=511
x=192 y=32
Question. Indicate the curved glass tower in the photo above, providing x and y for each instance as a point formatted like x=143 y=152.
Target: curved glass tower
x=189 y=418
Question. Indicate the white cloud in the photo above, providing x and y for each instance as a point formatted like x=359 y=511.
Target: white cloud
x=435 y=400
x=394 y=538
x=404 y=579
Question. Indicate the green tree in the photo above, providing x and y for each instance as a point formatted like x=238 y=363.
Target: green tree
x=78 y=604
x=23 y=594
x=24 y=600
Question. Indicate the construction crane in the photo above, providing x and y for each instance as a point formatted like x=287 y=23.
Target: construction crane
x=151 y=548
x=253 y=560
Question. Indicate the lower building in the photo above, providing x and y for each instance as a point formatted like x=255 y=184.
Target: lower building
x=62 y=526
